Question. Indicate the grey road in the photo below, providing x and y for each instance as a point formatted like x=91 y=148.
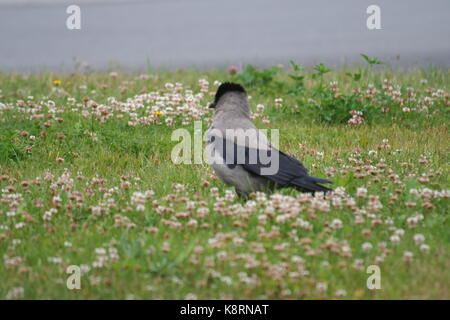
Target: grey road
x=209 y=33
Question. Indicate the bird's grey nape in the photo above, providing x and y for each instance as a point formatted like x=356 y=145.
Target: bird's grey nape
x=234 y=102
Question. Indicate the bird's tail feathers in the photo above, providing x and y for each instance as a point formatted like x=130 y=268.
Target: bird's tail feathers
x=310 y=184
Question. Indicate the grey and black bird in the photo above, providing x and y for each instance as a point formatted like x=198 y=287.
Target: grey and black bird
x=243 y=157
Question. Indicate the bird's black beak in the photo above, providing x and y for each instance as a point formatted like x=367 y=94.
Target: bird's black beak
x=212 y=105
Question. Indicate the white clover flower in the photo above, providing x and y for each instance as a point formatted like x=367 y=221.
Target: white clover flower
x=321 y=287
x=260 y=108
x=366 y=246
x=419 y=238
x=15 y=293
x=341 y=293
x=408 y=256
x=395 y=239
x=238 y=241
x=400 y=232
x=336 y=224
x=297 y=259
x=20 y=225
x=361 y=192
x=55 y=260
x=100 y=251
x=282 y=218
x=190 y=296
x=412 y=222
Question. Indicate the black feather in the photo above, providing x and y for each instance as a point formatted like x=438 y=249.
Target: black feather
x=227 y=87
x=310 y=184
x=291 y=172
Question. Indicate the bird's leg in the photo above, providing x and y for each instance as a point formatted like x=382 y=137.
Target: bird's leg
x=242 y=195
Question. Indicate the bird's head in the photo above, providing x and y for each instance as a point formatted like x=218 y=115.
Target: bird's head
x=230 y=97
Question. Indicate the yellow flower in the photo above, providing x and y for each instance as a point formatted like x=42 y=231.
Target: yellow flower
x=158 y=113
x=57 y=82
x=358 y=293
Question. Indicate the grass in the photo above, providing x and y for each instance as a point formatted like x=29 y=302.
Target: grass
x=75 y=166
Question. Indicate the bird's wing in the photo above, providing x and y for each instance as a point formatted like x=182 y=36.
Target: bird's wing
x=268 y=162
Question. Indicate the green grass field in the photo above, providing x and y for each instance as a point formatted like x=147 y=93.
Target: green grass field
x=86 y=179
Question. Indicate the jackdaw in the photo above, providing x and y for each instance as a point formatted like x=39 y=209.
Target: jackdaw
x=243 y=157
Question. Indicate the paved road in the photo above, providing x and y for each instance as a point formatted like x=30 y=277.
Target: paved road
x=206 y=33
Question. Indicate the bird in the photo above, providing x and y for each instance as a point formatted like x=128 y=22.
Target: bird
x=242 y=156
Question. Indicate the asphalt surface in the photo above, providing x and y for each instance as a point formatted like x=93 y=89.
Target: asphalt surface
x=208 y=33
